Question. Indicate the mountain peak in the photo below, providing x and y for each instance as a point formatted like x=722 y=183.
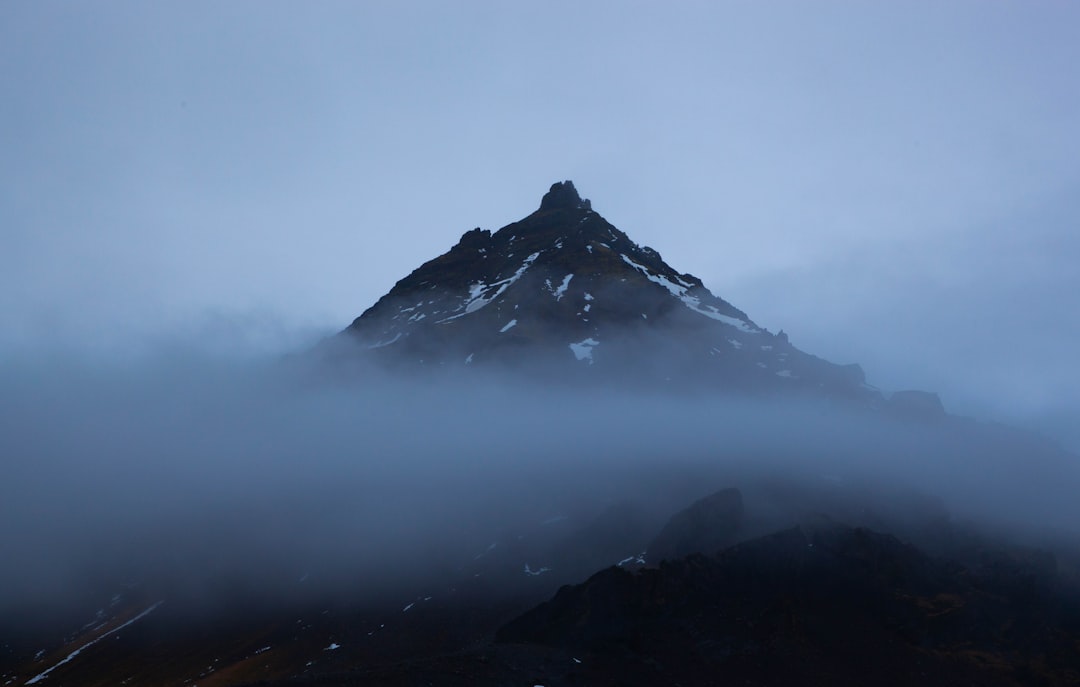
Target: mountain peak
x=563 y=196
x=564 y=287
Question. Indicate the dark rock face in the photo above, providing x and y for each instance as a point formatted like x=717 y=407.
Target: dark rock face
x=707 y=526
x=563 y=196
x=820 y=605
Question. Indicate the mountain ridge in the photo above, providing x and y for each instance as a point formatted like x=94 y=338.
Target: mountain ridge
x=564 y=286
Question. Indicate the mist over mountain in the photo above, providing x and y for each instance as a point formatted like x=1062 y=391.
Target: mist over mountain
x=536 y=405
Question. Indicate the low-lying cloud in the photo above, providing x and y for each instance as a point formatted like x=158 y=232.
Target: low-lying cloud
x=184 y=469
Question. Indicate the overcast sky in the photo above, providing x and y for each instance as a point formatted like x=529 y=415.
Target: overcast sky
x=896 y=184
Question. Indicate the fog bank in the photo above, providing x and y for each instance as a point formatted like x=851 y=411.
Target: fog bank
x=184 y=468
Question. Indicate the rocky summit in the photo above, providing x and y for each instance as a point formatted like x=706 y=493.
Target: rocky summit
x=566 y=288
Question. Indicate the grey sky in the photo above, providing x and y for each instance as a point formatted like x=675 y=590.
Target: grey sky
x=895 y=184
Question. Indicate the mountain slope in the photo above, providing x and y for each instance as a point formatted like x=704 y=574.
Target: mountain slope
x=564 y=287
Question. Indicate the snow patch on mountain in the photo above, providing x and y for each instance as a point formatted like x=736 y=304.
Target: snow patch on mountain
x=680 y=291
x=480 y=294
x=561 y=291
x=408 y=310
x=41 y=676
x=583 y=349
x=380 y=344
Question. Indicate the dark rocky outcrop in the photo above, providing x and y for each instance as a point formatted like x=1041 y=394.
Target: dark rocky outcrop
x=563 y=195
x=823 y=604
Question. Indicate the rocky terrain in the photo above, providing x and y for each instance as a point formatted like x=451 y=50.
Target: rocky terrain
x=700 y=598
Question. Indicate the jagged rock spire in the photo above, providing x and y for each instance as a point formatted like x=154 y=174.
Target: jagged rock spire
x=562 y=195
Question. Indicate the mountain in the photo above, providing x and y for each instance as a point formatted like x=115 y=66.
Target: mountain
x=566 y=289
x=654 y=542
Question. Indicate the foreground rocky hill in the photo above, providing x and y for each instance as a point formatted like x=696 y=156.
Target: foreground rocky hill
x=813 y=600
